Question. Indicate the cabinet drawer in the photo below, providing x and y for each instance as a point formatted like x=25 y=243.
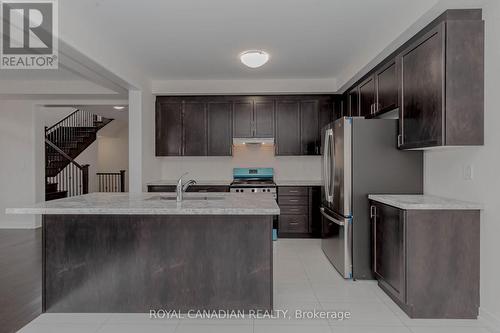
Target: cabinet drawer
x=292 y=190
x=294 y=210
x=293 y=223
x=298 y=201
x=161 y=188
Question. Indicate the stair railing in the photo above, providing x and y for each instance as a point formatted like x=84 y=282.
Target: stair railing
x=74 y=178
x=68 y=129
x=111 y=181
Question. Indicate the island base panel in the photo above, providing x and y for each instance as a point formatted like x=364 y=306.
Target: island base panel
x=129 y=263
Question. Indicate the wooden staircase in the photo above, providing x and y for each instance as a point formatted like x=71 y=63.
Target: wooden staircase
x=63 y=143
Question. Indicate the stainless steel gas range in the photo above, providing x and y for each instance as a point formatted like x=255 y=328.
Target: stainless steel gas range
x=253 y=180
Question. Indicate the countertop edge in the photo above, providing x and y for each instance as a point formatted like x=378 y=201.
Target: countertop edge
x=119 y=211
x=452 y=205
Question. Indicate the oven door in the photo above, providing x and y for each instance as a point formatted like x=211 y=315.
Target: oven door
x=336 y=241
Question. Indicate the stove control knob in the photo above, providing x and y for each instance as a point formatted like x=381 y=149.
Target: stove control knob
x=253 y=190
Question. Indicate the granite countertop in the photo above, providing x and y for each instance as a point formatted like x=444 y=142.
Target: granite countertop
x=155 y=204
x=278 y=182
x=198 y=182
x=429 y=202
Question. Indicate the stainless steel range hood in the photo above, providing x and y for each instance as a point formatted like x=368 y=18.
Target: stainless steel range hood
x=254 y=141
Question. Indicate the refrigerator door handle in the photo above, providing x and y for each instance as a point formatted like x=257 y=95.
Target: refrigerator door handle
x=325 y=166
x=332 y=166
x=328 y=164
x=329 y=218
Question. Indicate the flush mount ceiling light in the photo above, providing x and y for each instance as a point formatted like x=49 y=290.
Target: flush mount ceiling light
x=118 y=107
x=254 y=58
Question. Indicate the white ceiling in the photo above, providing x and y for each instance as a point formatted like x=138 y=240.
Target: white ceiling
x=39 y=74
x=196 y=39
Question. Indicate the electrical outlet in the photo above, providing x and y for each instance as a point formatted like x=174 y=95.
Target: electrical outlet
x=468 y=172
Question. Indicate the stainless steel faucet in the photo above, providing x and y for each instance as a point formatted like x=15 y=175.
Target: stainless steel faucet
x=181 y=188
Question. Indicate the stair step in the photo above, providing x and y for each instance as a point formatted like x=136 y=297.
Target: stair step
x=56 y=195
x=50 y=187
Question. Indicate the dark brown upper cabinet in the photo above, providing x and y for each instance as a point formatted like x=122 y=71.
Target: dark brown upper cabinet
x=206 y=125
x=219 y=128
x=253 y=117
x=386 y=88
x=288 y=127
x=264 y=118
x=194 y=129
x=243 y=117
x=367 y=97
x=436 y=80
x=309 y=127
x=299 y=120
x=352 y=102
x=168 y=128
x=442 y=86
x=328 y=111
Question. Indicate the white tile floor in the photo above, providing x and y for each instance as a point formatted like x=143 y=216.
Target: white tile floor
x=303 y=279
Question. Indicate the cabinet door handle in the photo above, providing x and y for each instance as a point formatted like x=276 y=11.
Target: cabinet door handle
x=400 y=140
x=293 y=191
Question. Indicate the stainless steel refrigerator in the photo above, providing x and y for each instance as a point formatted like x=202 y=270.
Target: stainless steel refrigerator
x=360 y=157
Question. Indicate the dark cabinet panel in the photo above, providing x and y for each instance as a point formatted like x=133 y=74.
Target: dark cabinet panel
x=386 y=84
x=314 y=211
x=293 y=224
x=422 y=66
x=243 y=119
x=309 y=127
x=352 y=103
x=205 y=125
x=436 y=79
x=427 y=261
x=389 y=248
x=300 y=211
x=288 y=128
x=366 y=97
x=168 y=129
x=292 y=191
x=219 y=129
x=336 y=109
x=195 y=129
x=212 y=188
x=192 y=188
x=264 y=119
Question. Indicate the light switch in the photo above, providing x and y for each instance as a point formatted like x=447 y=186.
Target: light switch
x=468 y=172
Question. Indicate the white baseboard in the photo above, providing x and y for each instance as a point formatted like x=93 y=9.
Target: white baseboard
x=489 y=319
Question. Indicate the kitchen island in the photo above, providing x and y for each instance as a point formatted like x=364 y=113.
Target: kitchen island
x=120 y=252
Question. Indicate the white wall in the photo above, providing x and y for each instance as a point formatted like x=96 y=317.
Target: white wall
x=220 y=168
x=444 y=169
x=17 y=169
x=112 y=148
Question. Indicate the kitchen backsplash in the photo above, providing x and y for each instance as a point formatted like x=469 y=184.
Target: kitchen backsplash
x=221 y=168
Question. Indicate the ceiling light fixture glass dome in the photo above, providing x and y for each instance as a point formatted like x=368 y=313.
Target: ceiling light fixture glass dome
x=254 y=58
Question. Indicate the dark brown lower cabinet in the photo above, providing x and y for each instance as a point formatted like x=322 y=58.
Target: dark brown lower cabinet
x=300 y=215
x=193 y=188
x=427 y=261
